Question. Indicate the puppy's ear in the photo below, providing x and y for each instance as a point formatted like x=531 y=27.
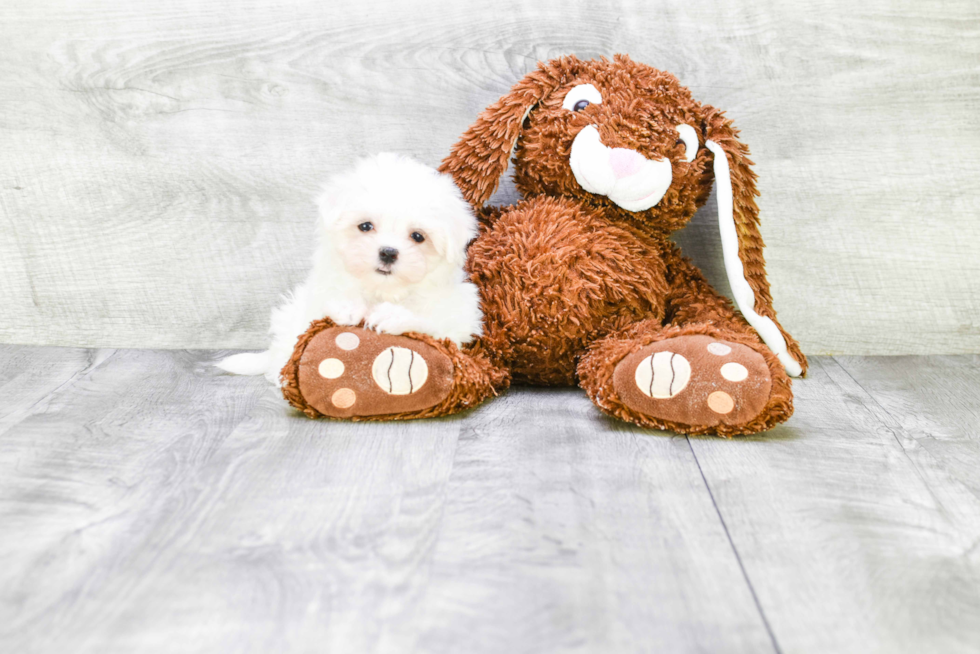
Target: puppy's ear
x=738 y=221
x=455 y=237
x=456 y=226
x=480 y=156
x=328 y=203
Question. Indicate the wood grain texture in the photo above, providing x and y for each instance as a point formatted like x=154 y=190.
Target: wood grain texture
x=29 y=375
x=101 y=485
x=567 y=531
x=158 y=162
x=151 y=504
x=855 y=536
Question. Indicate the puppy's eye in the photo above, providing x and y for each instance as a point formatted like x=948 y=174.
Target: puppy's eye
x=581 y=97
x=418 y=237
x=366 y=226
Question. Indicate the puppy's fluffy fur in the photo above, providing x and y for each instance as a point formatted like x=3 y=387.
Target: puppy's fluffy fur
x=392 y=236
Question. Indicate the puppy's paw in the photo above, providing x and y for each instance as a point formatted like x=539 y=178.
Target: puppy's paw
x=346 y=312
x=392 y=319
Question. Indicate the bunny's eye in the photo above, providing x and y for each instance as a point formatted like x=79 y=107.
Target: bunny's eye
x=581 y=97
x=690 y=140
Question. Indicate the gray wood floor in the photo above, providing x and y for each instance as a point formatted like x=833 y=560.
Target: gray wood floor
x=149 y=504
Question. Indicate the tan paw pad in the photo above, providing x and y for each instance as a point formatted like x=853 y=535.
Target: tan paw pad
x=721 y=402
x=343 y=398
x=331 y=368
x=719 y=349
x=735 y=372
x=347 y=341
x=397 y=370
x=662 y=375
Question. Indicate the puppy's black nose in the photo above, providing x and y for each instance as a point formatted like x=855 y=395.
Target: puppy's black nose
x=388 y=255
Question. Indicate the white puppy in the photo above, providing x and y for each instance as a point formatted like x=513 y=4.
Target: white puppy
x=392 y=236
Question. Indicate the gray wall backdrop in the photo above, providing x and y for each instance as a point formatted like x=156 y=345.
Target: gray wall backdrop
x=157 y=159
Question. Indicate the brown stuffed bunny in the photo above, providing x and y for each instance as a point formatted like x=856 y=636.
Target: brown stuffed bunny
x=580 y=283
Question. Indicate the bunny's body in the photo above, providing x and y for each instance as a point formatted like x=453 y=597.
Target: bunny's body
x=580 y=282
x=580 y=275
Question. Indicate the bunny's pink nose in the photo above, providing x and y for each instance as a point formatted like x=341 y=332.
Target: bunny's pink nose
x=625 y=162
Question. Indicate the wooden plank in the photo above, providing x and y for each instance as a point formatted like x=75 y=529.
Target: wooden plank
x=157 y=517
x=854 y=537
x=160 y=506
x=159 y=162
x=94 y=486
x=316 y=536
x=29 y=375
x=567 y=531
x=930 y=405
x=931 y=400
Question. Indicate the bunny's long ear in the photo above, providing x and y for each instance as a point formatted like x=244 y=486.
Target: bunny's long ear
x=738 y=222
x=480 y=156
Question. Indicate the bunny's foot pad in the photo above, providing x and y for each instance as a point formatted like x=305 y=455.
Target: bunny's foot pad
x=347 y=372
x=695 y=380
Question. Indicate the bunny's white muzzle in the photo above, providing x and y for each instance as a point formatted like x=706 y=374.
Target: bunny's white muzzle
x=626 y=177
